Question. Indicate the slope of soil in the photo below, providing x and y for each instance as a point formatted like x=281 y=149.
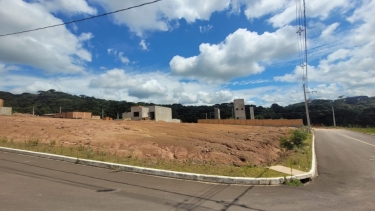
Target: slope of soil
x=198 y=143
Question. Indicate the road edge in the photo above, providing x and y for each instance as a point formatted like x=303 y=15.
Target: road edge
x=173 y=174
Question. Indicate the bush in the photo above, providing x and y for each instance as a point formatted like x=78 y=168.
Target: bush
x=285 y=143
x=295 y=140
x=298 y=136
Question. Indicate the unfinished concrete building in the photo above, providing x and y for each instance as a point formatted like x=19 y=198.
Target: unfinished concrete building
x=239 y=109
x=7 y=111
x=157 y=113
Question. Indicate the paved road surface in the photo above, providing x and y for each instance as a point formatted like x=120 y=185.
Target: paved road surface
x=346 y=166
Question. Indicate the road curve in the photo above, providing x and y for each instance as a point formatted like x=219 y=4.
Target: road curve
x=346 y=167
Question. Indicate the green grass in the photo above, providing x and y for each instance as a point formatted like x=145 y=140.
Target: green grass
x=363 y=130
x=299 y=158
x=87 y=152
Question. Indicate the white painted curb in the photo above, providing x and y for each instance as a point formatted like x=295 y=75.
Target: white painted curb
x=173 y=174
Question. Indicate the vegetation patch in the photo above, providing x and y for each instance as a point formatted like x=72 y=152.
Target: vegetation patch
x=298 y=150
x=370 y=130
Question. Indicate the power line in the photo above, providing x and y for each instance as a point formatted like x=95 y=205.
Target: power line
x=80 y=20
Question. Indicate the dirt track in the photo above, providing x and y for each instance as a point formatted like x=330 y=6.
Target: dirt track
x=217 y=144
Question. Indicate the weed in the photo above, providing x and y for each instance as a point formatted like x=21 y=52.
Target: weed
x=52 y=143
x=3 y=139
x=32 y=142
x=81 y=147
x=293 y=182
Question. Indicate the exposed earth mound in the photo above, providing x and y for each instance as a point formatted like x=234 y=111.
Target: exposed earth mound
x=200 y=143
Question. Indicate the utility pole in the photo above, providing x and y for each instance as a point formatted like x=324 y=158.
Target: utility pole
x=334 y=120
x=307 y=110
x=60 y=109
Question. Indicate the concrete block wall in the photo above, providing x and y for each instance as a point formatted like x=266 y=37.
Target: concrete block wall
x=127 y=115
x=161 y=113
x=143 y=112
x=74 y=115
x=7 y=111
x=239 y=109
x=255 y=122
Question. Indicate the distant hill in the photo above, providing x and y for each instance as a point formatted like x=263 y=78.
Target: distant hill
x=359 y=110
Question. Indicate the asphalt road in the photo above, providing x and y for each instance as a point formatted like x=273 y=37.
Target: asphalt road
x=346 y=166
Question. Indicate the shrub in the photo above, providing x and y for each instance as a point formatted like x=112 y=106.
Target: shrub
x=285 y=143
x=298 y=136
x=295 y=140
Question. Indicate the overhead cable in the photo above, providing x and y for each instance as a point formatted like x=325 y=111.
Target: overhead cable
x=80 y=20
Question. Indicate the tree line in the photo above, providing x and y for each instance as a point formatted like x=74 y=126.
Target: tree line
x=350 y=111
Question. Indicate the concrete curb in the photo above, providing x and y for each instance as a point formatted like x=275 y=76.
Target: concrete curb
x=172 y=174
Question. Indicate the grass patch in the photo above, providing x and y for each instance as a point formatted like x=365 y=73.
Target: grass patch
x=293 y=182
x=101 y=154
x=299 y=157
x=362 y=130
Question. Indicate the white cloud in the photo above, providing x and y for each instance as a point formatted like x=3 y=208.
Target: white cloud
x=283 y=12
x=241 y=54
x=205 y=29
x=144 y=45
x=123 y=58
x=215 y=97
x=159 y=87
x=329 y=30
x=54 y=50
x=5 y=68
x=68 y=6
x=161 y=15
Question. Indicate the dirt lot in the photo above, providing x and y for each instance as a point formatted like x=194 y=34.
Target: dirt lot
x=201 y=143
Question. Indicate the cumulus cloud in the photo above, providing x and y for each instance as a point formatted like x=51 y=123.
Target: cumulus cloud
x=159 y=87
x=242 y=53
x=68 y=6
x=160 y=16
x=54 y=50
x=215 y=97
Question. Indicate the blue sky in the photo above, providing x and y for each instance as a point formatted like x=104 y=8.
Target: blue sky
x=191 y=52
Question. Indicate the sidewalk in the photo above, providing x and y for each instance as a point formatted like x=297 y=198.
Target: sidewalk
x=287 y=170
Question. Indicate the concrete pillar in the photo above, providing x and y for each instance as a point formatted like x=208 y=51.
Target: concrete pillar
x=217 y=113
x=252 y=113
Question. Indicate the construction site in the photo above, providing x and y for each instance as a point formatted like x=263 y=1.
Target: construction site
x=152 y=134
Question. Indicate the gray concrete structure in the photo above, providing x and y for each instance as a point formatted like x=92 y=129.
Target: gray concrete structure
x=252 y=113
x=157 y=113
x=217 y=113
x=7 y=111
x=239 y=109
x=139 y=112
